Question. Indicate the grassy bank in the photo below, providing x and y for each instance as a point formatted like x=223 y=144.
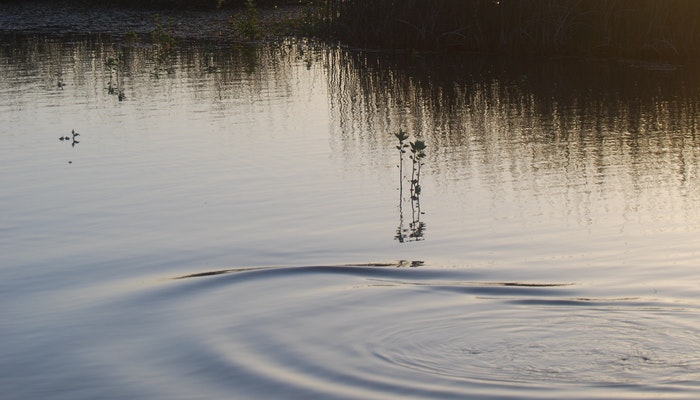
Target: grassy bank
x=650 y=29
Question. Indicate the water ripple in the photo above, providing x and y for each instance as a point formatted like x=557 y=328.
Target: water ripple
x=376 y=331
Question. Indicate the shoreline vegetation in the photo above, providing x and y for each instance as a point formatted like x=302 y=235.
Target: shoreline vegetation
x=667 y=30
x=651 y=30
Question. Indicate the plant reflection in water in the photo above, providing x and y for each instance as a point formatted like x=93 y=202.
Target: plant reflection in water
x=116 y=66
x=416 y=227
x=73 y=141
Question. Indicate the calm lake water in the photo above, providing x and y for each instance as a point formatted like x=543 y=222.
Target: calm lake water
x=231 y=222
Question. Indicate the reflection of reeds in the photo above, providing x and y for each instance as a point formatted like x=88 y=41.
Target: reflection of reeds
x=642 y=28
x=507 y=119
x=415 y=227
x=217 y=70
x=452 y=96
x=116 y=66
x=163 y=44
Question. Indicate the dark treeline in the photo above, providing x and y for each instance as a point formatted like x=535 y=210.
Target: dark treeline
x=668 y=29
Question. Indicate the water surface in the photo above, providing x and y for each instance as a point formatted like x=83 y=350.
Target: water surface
x=231 y=222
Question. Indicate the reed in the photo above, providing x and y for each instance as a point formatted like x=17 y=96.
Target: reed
x=625 y=28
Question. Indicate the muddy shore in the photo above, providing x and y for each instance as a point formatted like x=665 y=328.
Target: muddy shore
x=58 y=19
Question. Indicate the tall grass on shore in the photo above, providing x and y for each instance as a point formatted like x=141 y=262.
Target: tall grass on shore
x=626 y=28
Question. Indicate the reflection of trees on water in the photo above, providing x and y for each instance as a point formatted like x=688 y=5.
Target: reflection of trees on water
x=528 y=124
x=631 y=130
x=230 y=72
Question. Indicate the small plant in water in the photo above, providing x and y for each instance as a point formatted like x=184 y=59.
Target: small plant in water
x=160 y=36
x=249 y=25
x=131 y=37
x=416 y=227
x=164 y=45
x=401 y=147
x=71 y=139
